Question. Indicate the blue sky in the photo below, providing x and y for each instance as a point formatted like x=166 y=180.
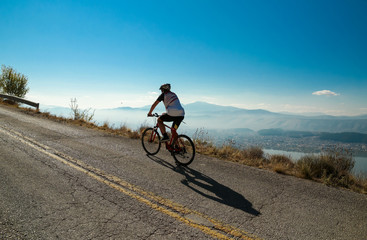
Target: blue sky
x=295 y=56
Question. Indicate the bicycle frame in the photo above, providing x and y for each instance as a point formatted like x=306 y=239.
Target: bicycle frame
x=169 y=145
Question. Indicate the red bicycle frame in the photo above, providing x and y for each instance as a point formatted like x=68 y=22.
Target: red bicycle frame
x=169 y=145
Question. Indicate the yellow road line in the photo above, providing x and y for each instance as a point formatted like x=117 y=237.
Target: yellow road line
x=181 y=213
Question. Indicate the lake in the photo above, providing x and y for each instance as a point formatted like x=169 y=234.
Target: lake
x=360 y=166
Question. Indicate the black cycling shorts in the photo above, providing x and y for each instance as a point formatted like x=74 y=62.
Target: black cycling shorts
x=176 y=120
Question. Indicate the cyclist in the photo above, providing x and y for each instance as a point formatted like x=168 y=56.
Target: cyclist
x=175 y=112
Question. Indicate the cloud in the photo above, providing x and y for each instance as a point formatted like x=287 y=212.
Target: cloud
x=325 y=92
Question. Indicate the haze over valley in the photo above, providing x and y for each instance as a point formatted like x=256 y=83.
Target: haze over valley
x=246 y=127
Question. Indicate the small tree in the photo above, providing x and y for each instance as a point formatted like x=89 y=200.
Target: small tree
x=13 y=83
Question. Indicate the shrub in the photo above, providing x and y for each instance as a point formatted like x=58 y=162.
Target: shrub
x=310 y=167
x=332 y=167
x=340 y=158
x=254 y=153
x=13 y=83
x=204 y=143
x=77 y=114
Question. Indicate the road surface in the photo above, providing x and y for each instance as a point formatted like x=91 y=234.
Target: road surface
x=61 y=181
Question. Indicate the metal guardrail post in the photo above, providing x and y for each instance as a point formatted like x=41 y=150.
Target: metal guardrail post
x=18 y=99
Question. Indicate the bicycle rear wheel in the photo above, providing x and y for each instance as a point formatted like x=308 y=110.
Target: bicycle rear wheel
x=150 y=140
x=184 y=150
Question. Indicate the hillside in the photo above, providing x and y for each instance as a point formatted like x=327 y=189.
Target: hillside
x=346 y=137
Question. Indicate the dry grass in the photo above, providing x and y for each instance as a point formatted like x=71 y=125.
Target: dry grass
x=332 y=168
x=281 y=164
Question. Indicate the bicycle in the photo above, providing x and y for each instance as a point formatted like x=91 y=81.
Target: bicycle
x=180 y=146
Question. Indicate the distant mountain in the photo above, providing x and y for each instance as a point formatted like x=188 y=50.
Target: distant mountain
x=56 y=110
x=203 y=107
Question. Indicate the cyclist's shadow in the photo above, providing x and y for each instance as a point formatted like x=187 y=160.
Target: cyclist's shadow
x=198 y=182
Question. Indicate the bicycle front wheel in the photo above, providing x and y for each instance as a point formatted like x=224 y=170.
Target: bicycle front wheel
x=184 y=150
x=150 y=140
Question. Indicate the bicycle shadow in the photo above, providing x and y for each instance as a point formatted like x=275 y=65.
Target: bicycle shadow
x=200 y=183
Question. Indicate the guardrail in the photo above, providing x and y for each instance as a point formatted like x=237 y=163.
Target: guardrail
x=18 y=99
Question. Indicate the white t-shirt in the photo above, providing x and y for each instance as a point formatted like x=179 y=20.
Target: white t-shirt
x=172 y=104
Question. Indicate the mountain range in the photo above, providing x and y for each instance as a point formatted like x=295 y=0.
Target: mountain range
x=215 y=116
x=211 y=116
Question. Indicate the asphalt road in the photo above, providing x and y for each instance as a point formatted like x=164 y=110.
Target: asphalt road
x=66 y=182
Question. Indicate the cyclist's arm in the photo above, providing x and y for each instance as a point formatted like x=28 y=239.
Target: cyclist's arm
x=152 y=107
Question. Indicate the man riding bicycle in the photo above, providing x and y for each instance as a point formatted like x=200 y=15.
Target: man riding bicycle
x=175 y=112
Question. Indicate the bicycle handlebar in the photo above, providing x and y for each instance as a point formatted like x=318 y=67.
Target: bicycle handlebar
x=154 y=115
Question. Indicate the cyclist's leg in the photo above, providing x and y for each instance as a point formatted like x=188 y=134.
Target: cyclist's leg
x=161 y=120
x=176 y=123
x=161 y=125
